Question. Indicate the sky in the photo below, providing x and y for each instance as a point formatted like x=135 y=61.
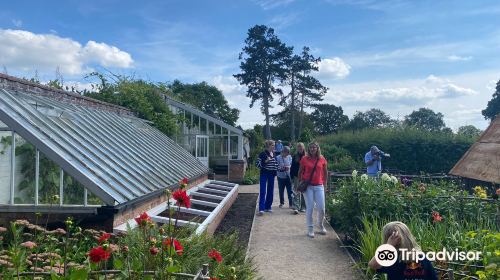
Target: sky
x=394 y=55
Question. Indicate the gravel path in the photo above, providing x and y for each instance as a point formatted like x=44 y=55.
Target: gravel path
x=281 y=249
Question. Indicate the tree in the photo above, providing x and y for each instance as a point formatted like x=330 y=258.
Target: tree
x=309 y=89
x=282 y=126
x=142 y=97
x=298 y=67
x=373 y=118
x=426 y=119
x=469 y=131
x=207 y=98
x=493 y=107
x=328 y=118
x=263 y=65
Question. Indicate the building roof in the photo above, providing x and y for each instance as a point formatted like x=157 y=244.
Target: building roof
x=482 y=160
x=119 y=158
x=169 y=100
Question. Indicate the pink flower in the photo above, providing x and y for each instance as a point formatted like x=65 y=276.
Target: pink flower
x=154 y=251
x=436 y=217
x=28 y=244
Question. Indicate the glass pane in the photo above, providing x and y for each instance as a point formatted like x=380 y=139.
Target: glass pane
x=188 y=119
x=5 y=165
x=203 y=128
x=72 y=190
x=49 y=180
x=24 y=178
x=2 y=125
x=92 y=199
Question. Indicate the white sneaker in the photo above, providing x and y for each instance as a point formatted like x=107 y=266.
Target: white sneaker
x=322 y=231
x=260 y=213
x=310 y=233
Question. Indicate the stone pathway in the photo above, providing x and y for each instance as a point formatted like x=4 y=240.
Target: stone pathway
x=281 y=249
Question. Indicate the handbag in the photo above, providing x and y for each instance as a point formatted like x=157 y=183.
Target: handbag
x=304 y=184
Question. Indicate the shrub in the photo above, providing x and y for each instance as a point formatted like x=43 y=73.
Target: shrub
x=412 y=150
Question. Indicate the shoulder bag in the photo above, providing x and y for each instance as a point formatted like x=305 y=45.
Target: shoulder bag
x=304 y=184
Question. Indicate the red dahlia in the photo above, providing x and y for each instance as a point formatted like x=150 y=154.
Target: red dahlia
x=177 y=246
x=182 y=198
x=104 y=237
x=143 y=220
x=98 y=254
x=215 y=255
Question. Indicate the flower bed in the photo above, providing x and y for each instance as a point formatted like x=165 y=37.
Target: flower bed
x=439 y=215
x=148 y=251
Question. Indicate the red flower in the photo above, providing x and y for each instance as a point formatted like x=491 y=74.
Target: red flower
x=104 y=237
x=154 y=251
x=214 y=278
x=143 y=220
x=177 y=246
x=182 y=198
x=98 y=254
x=185 y=181
x=436 y=217
x=215 y=255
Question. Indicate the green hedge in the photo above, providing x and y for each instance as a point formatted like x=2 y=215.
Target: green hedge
x=412 y=150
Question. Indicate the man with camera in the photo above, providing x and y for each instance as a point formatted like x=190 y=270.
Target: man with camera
x=373 y=160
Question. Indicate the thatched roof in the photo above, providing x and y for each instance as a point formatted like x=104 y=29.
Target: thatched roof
x=482 y=160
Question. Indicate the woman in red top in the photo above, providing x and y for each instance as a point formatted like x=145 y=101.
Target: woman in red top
x=315 y=193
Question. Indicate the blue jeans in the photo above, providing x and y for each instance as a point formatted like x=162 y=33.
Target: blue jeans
x=282 y=183
x=266 y=191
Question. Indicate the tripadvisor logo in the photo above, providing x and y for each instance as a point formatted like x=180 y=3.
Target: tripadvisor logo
x=387 y=255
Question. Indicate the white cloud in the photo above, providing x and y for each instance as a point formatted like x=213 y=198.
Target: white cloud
x=423 y=92
x=271 y=4
x=459 y=58
x=25 y=51
x=17 y=22
x=333 y=68
x=283 y=21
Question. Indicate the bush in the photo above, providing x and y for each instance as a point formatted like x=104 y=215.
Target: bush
x=251 y=176
x=412 y=150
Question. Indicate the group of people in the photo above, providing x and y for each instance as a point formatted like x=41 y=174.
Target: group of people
x=305 y=165
x=310 y=166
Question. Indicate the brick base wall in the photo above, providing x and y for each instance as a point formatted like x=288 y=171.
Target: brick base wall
x=237 y=168
x=136 y=210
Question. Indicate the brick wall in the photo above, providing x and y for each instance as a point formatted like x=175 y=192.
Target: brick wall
x=237 y=168
x=136 y=210
x=12 y=83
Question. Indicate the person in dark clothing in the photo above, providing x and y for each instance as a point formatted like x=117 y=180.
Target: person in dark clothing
x=268 y=166
x=399 y=236
x=294 y=172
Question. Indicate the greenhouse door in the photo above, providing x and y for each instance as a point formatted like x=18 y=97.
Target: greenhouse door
x=202 y=149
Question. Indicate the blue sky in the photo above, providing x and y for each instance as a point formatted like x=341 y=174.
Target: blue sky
x=394 y=55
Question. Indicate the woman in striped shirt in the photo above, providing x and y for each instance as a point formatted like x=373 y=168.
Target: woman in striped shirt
x=268 y=165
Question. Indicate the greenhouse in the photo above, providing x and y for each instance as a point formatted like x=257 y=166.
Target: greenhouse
x=215 y=143
x=61 y=156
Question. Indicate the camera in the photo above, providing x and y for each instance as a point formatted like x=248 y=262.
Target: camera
x=386 y=255
x=382 y=154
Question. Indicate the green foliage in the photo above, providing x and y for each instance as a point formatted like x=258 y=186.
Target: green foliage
x=207 y=98
x=469 y=131
x=256 y=139
x=360 y=207
x=251 y=176
x=328 y=118
x=373 y=118
x=144 y=98
x=425 y=119
x=412 y=150
x=493 y=107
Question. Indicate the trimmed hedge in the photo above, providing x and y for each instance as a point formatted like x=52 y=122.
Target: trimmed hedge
x=412 y=150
